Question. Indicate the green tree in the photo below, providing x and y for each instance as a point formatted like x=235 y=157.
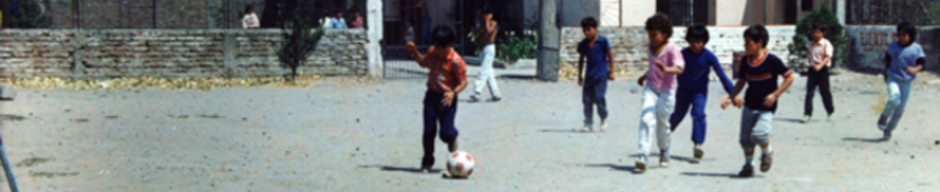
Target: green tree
x=300 y=39
x=799 y=53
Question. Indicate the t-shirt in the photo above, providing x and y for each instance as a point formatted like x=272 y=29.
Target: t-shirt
x=445 y=73
x=596 y=57
x=695 y=75
x=901 y=58
x=761 y=79
x=818 y=51
x=250 y=21
x=671 y=56
x=339 y=23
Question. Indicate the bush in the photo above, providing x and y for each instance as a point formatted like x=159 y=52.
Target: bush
x=518 y=47
x=799 y=53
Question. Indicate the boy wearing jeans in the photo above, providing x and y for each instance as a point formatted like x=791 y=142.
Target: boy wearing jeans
x=820 y=55
x=447 y=77
x=659 y=94
x=600 y=64
x=759 y=72
x=903 y=60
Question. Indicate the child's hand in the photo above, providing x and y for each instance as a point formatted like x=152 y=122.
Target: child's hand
x=641 y=80
x=660 y=65
x=448 y=98
x=610 y=76
x=817 y=67
x=769 y=101
x=738 y=102
x=410 y=45
x=912 y=70
x=580 y=82
x=725 y=103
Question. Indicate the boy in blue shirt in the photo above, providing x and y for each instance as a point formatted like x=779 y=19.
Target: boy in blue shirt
x=693 y=85
x=600 y=64
x=903 y=60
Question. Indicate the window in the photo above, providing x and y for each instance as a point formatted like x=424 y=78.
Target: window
x=807 y=5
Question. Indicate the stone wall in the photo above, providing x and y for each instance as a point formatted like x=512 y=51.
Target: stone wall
x=869 y=42
x=171 y=53
x=629 y=44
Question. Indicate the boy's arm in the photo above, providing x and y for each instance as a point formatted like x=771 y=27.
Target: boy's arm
x=773 y=97
x=733 y=98
x=610 y=64
x=725 y=81
x=887 y=65
x=580 y=69
x=415 y=54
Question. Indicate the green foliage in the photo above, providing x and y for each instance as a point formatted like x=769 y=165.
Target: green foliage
x=799 y=53
x=518 y=47
x=32 y=14
x=300 y=40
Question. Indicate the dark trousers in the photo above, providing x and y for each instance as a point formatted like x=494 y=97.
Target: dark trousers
x=818 y=79
x=697 y=100
x=593 y=90
x=436 y=113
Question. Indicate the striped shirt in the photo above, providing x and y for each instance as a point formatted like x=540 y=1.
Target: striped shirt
x=761 y=76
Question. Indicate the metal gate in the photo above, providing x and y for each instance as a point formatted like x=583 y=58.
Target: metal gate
x=399 y=64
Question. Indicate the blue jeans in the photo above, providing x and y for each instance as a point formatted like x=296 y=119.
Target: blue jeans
x=898 y=93
x=436 y=113
x=593 y=91
x=697 y=100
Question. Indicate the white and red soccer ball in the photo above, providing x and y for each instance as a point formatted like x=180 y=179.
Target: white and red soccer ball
x=460 y=164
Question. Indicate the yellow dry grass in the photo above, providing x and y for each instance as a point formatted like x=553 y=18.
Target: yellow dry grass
x=157 y=83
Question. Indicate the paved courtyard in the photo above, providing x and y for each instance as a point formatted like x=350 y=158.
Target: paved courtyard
x=346 y=135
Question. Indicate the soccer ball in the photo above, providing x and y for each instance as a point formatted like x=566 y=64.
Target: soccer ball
x=460 y=164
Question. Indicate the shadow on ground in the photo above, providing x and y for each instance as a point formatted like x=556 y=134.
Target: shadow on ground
x=414 y=170
x=614 y=167
x=866 y=140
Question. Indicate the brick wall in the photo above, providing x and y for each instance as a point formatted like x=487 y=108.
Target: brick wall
x=629 y=44
x=170 y=53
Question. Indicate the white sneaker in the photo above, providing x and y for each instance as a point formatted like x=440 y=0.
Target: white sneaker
x=587 y=127
x=664 y=158
x=603 y=125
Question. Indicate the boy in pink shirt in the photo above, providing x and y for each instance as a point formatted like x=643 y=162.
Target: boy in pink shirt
x=820 y=55
x=659 y=92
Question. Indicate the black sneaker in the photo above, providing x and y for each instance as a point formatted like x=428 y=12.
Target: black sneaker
x=495 y=99
x=426 y=164
x=746 y=171
x=766 y=160
x=882 y=122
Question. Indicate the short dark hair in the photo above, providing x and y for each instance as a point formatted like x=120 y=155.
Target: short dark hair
x=697 y=33
x=488 y=11
x=820 y=26
x=589 y=22
x=443 y=36
x=659 y=22
x=757 y=33
x=249 y=8
x=909 y=29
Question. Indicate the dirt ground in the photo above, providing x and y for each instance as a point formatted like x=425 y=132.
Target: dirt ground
x=350 y=135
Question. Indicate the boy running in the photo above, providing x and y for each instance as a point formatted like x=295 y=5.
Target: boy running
x=693 y=85
x=659 y=94
x=759 y=73
x=447 y=77
x=600 y=65
x=903 y=60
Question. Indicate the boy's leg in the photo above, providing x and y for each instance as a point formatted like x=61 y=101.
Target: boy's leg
x=647 y=122
x=683 y=100
x=489 y=54
x=761 y=134
x=448 y=130
x=600 y=99
x=811 y=83
x=905 y=93
x=431 y=110
x=698 y=118
x=664 y=106
x=587 y=98
x=748 y=120
x=825 y=92
x=894 y=100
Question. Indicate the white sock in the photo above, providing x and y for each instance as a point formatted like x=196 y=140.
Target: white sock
x=768 y=149
x=748 y=159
